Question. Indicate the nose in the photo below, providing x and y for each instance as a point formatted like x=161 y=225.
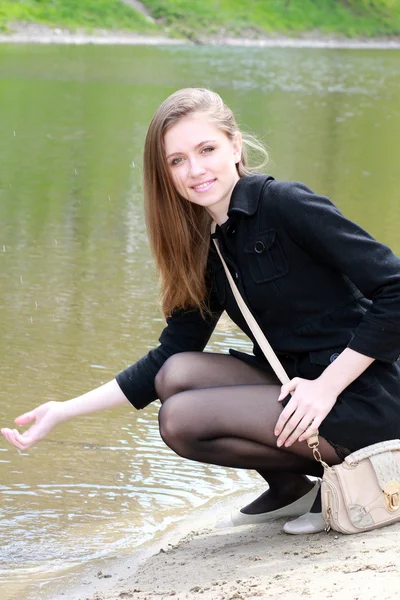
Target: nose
x=196 y=168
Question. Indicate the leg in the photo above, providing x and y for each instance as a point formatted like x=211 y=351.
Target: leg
x=234 y=426
x=199 y=370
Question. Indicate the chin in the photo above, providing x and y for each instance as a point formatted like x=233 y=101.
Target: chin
x=206 y=202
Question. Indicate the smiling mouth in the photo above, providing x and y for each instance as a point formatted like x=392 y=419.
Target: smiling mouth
x=203 y=187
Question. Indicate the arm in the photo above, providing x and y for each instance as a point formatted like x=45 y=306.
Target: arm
x=344 y=370
x=317 y=226
x=185 y=331
x=47 y=416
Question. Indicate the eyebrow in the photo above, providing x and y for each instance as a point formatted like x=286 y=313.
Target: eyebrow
x=196 y=147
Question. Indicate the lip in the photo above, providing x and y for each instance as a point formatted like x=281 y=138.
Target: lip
x=205 y=186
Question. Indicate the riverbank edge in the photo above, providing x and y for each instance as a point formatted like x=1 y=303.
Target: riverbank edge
x=253 y=562
x=40 y=34
x=193 y=559
x=106 y=577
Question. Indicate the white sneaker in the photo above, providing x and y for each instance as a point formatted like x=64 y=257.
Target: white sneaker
x=296 y=508
x=308 y=523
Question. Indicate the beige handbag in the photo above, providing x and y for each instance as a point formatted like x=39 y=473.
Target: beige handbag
x=361 y=493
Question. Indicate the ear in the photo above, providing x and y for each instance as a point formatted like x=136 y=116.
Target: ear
x=237 y=143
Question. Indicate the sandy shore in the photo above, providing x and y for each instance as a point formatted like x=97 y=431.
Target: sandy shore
x=32 y=33
x=262 y=562
x=255 y=562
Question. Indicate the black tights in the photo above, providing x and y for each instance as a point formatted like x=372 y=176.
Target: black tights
x=219 y=410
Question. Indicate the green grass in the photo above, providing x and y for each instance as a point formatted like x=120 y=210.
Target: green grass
x=346 y=17
x=88 y=14
x=199 y=18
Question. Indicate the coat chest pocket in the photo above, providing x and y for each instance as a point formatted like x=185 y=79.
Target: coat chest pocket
x=265 y=257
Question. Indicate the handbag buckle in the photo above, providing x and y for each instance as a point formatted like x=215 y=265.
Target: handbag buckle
x=313 y=443
x=392 y=494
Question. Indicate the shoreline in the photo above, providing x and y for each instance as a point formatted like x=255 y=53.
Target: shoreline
x=194 y=560
x=107 y=576
x=40 y=34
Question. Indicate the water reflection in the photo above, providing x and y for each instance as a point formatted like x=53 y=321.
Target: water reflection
x=78 y=296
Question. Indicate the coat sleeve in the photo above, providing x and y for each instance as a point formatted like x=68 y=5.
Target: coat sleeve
x=318 y=226
x=186 y=331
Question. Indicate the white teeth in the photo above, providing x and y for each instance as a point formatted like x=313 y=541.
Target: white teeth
x=201 y=186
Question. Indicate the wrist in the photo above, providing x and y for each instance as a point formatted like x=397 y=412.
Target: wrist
x=331 y=385
x=68 y=409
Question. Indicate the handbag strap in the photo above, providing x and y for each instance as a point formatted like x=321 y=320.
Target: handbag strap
x=313 y=441
x=252 y=323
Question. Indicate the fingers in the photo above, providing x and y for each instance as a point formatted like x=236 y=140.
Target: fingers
x=25 y=418
x=16 y=439
x=298 y=419
x=20 y=441
x=302 y=416
x=288 y=388
x=289 y=424
x=285 y=415
x=296 y=423
x=303 y=430
x=312 y=429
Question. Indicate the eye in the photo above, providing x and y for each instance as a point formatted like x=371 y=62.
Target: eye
x=208 y=149
x=176 y=161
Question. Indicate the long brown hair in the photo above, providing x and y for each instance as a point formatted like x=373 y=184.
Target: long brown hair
x=179 y=230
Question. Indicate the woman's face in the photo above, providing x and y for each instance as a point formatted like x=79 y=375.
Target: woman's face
x=202 y=162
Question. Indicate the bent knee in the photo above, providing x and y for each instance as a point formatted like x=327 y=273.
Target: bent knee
x=172 y=378
x=174 y=428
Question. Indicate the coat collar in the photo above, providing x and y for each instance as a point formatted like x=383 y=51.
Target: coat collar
x=246 y=194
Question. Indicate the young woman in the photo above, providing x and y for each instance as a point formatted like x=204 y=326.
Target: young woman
x=326 y=294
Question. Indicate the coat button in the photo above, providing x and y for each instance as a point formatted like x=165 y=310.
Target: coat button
x=259 y=247
x=334 y=357
x=230 y=230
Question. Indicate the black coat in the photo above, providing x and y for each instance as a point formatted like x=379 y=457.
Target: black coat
x=315 y=281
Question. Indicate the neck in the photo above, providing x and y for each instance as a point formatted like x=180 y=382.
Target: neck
x=219 y=211
x=218 y=216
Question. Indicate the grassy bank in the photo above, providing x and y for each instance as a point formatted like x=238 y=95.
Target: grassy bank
x=256 y=17
x=214 y=18
x=86 y=14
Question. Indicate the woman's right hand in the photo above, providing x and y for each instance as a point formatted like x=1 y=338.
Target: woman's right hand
x=44 y=417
